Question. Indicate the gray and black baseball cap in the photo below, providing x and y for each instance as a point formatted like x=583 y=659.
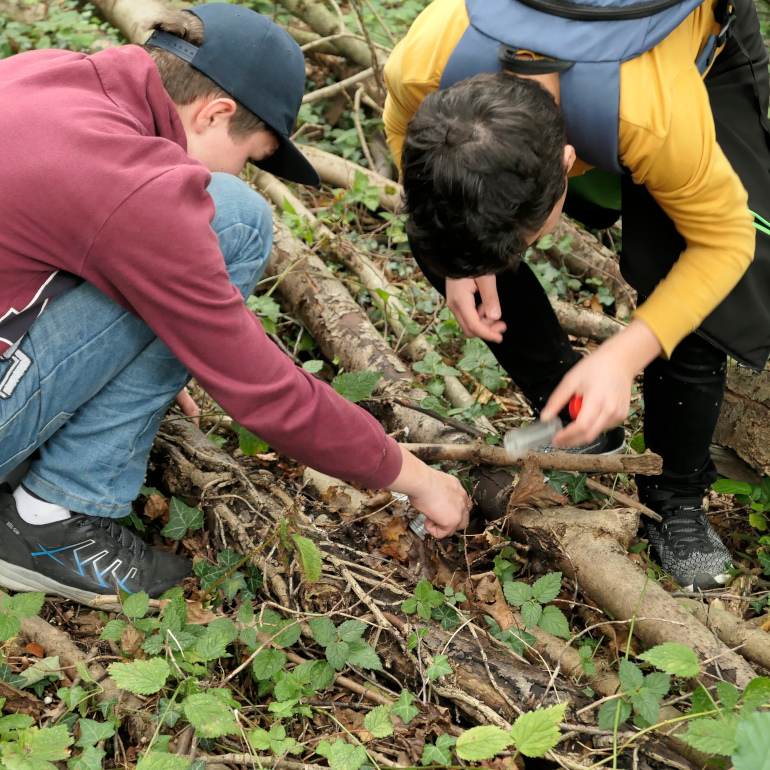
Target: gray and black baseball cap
x=258 y=63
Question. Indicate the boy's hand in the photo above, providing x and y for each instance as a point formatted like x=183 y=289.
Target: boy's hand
x=482 y=321
x=438 y=495
x=604 y=380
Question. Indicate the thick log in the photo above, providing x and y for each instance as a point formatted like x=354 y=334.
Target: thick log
x=339 y=172
x=744 y=423
x=582 y=322
x=590 y=547
x=482 y=454
x=754 y=643
x=325 y=23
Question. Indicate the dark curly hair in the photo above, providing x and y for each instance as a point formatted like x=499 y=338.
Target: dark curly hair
x=483 y=167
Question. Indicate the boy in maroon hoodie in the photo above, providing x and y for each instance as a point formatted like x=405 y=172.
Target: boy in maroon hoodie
x=126 y=256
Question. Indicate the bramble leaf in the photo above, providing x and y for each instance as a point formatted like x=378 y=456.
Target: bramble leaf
x=537 y=732
x=673 y=658
x=141 y=677
x=554 y=622
x=482 y=742
x=547 y=588
x=209 y=715
x=517 y=593
x=356 y=386
x=714 y=736
x=753 y=739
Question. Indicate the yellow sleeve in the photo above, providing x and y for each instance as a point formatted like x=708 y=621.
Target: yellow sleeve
x=672 y=150
x=415 y=67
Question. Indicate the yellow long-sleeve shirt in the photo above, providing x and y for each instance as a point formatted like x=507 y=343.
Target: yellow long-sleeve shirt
x=666 y=139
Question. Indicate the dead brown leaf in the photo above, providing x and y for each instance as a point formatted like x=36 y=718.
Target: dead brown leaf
x=379 y=500
x=155 y=507
x=337 y=499
x=35 y=649
x=533 y=490
x=488 y=597
x=198 y=614
x=393 y=529
x=131 y=642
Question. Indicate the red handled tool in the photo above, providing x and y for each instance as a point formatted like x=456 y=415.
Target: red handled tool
x=522 y=440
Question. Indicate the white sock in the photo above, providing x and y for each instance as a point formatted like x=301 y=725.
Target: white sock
x=35 y=511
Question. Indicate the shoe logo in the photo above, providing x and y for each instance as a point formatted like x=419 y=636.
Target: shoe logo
x=97 y=572
x=12 y=528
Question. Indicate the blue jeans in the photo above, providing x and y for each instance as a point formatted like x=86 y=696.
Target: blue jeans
x=100 y=381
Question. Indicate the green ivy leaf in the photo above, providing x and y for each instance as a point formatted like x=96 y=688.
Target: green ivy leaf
x=753 y=739
x=136 y=606
x=531 y=612
x=341 y=755
x=547 y=588
x=309 y=558
x=482 y=742
x=606 y=716
x=91 y=732
x=631 y=676
x=441 y=753
x=379 y=722
x=141 y=677
x=268 y=663
x=554 y=622
x=714 y=736
x=90 y=758
x=517 y=593
x=537 y=732
x=403 y=707
x=363 y=655
x=181 y=517
x=209 y=715
x=356 y=386
x=439 y=668
x=673 y=658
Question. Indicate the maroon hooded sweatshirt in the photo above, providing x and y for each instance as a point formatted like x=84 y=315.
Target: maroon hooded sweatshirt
x=95 y=182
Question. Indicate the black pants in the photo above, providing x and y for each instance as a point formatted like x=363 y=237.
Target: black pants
x=683 y=395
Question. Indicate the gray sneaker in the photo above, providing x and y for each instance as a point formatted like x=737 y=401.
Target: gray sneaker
x=688 y=548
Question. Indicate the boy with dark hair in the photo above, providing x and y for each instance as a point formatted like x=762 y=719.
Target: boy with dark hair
x=486 y=160
x=126 y=256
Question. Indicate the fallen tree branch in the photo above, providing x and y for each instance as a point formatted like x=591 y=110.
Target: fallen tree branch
x=734 y=632
x=335 y=88
x=339 y=172
x=581 y=322
x=481 y=454
x=132 y=17
x=325 y=23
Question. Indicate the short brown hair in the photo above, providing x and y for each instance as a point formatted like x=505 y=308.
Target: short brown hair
x=184 y=83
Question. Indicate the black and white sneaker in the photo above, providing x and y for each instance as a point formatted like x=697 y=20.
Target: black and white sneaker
x=688 y=548
x=611 y=442
x=81 y=558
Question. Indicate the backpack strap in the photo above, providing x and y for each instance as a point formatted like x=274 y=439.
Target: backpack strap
x=507 y=57
x=715 y=42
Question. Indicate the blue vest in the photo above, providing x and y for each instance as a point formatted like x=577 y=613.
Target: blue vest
x=590 y=88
